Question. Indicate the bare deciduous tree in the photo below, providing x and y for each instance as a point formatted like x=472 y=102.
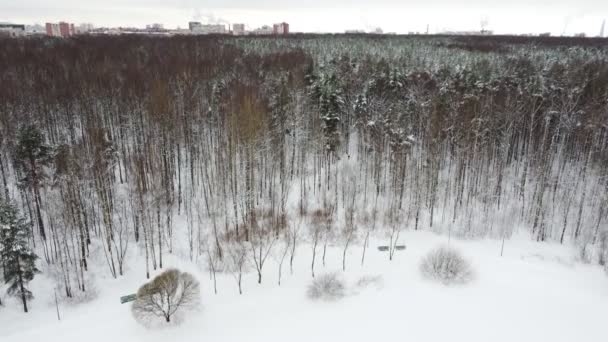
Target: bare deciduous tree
x=294 y=233
x=167 y=293
x=285 y=246
x=261 y=240
x=237 y=261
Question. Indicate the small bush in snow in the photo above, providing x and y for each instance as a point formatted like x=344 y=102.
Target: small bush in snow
x=166 y=297
x=446 y=265
x=329 y=286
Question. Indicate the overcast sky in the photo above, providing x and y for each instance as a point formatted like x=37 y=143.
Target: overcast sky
x=401 y=16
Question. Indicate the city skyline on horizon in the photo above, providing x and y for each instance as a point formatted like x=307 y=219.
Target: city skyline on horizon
x=559 y=17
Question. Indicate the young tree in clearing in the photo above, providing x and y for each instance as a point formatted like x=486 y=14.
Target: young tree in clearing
x=294 y=232
x=18 y=261
x=366 y=220
x=282 y=252
x=321 y=219
x=32 y=153
x=169 y=292
x=348 y=233
x=261 y=241
x=213 y=260
x=350 y=192
x=329 y=231
x=393 y=221
x=120 y=239
x=237 y=261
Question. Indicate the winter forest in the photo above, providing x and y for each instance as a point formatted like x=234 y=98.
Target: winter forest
x=254 y=157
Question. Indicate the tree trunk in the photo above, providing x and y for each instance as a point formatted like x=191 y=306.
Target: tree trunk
x=365 y=243
x=21 y=287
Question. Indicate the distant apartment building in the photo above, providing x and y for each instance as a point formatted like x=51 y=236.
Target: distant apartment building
x=12 y=30
x=198 y=28
x=468 y=33
x=281 y=28
x=66 y=29
x=263 y=30
x=155 y=27
x=62 y=29
x=215 y=28
x=52 y=30
x=35 y=30
x=194 y=25
x=84 y=28
x=238 y=29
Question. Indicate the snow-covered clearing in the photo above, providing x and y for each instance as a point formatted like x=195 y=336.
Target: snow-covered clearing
x=535 y=292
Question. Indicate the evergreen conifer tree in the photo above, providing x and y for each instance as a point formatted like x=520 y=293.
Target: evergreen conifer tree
x=18 y=260
x=32 y=153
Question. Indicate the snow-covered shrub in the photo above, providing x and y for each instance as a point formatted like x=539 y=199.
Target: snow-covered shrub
x=446 y=265
x=327 y=287
x=167 y=298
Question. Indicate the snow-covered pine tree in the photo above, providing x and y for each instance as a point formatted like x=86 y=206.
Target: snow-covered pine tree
x=18 y=260
x=326 y=90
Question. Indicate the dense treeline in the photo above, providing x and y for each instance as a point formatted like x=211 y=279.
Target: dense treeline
x=225 y=149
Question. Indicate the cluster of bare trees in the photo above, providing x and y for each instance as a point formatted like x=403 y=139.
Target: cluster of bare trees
x=241 y=149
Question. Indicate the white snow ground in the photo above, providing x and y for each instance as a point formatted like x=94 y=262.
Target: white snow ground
x=535 y=292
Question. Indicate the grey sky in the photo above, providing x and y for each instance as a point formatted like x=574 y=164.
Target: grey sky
x=506 y=16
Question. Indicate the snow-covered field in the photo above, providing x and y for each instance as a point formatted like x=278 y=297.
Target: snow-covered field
x=535 y=292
